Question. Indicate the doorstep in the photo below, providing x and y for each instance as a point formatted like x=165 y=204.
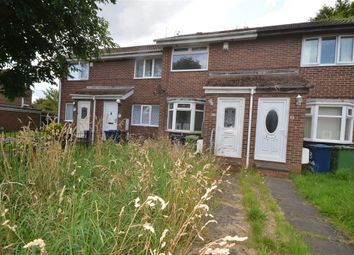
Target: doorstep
x=272 y=169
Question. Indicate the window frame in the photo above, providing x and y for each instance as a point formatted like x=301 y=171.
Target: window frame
x=192 y=109
x=80 y=79
x=344 y=117
x=152 y=68
x=65 y=115
x=141 y=124
x=190 y=52
x=338 y=50
x=337 y=62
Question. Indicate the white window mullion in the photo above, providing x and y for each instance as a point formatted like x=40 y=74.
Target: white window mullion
x=351 y=129
x=174 y=117
x=342 y=124
x=141 y=115
x=150 y=110
x=152 y=68
x=191 y=128
x=314 y=122
x=144 y=68
x=319 y=50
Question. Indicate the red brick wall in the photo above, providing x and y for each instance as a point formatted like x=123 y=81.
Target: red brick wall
x=265 y=53
x=13 y=121
x=114 y=73
x=335 y=82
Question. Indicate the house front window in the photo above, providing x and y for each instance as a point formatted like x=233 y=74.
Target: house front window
x=148 y=68
x=190 y=59
x=328 y=50
x=78 y=71
x=329 y=122
x=185 y=116
x=69 y=112
x=145 y=115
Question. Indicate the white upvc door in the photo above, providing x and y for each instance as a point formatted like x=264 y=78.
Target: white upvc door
x=229 y=127
x=83 y=117
x=110 y=116
x=272 y=129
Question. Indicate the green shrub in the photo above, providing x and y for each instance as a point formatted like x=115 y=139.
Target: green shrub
x=191 y=141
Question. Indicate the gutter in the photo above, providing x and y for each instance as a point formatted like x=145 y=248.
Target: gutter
x=208 y=38
x=227 y=90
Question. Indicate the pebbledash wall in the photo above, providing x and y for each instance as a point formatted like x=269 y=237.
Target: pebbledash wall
x=276 y=52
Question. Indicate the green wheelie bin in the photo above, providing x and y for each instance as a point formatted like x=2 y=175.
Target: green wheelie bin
x=342 y=158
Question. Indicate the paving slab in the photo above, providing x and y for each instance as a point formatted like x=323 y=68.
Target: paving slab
x=321 y=236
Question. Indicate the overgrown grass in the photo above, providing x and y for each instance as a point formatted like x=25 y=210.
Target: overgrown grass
x=333 y=194
x=106 y=199
x=271 y=233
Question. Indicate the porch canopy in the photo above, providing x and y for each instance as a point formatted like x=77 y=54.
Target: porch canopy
x=104 y=92
x=265 y=81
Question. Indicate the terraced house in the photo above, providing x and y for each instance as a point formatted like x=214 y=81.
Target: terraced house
x=253 y=95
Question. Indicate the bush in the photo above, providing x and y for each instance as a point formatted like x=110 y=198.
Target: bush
x=191 y=141
x=53 y=128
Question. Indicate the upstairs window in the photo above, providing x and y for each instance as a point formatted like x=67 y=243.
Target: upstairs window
x=329 y=123
x=148 y=68
x=185 y=116
x=329 y=50
x=78 y=71
x=189 y=59
x=346 y=44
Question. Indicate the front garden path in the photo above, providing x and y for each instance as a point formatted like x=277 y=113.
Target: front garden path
x=231 y=217
x=320 y=235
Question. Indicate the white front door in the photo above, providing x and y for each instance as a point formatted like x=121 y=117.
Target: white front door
x=110 y=116
x=272 y=129
x=229 y=127
x=83 y=117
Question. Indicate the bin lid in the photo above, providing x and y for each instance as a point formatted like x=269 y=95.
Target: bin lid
x=343 y=147
x=319 y=146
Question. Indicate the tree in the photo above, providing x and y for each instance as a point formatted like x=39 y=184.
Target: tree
x=37 y=36
x=343 y=9
x=49 y=102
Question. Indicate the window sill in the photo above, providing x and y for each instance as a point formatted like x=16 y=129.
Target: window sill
x=183 y=131
x=78 y=80
x=140 y=125
x=147 y=78
x=327 y=141
x=327 y=65
x=189 y=70
x=69 y=121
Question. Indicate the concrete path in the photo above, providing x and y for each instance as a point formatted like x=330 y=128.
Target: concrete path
x=322 y=237
x=231 y=217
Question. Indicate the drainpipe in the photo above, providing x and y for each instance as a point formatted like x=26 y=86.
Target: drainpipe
x=249 y=128
x=59 y=103
x=93 y=119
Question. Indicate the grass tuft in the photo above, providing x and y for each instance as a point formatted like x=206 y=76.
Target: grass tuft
x=333 y=194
